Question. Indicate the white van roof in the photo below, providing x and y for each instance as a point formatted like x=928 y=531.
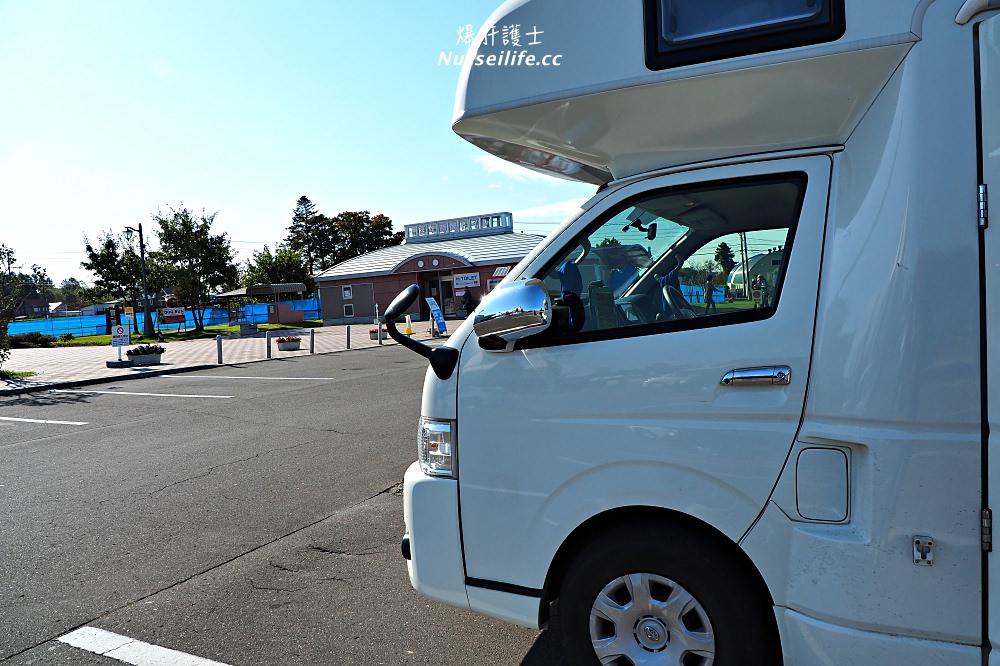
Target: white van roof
x=598 y=113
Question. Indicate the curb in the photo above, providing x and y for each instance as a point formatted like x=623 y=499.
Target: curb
x=101 y=380
x=166 y=371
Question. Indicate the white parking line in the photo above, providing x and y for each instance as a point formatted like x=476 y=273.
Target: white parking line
x=11 y=418
x=156 y=395
x=130 y=651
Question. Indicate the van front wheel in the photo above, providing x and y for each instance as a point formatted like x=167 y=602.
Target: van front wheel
x=664 y=596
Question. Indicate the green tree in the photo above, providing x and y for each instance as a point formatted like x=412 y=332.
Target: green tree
x=303 y=234
x=14 y=288
x=115 y=261
x=360 y=233
x=325 y=241
x=72 y=292
x=192 y=260
x=284 y=266
x=726 y=258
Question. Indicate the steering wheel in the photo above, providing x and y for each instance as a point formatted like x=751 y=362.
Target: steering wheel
x=675 y=301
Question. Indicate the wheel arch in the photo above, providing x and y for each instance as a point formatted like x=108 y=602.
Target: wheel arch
x=597 y=525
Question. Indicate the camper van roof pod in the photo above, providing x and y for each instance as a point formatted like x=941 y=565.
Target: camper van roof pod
x=573 y=88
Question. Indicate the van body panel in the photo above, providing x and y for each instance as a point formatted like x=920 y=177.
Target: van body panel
x=895 y=378
x=855 y=490
x=430 y=513
x=639 y=421
x=828 y=644
x=613 y=131
x=989 y=72
x=596 y=118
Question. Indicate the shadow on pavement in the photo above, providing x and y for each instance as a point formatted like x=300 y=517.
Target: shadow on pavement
x=545 y=652
x=44 y=398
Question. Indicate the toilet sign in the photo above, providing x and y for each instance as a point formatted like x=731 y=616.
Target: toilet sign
x=119 y=336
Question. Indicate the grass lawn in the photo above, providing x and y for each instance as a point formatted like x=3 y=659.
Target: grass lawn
x=9 y=374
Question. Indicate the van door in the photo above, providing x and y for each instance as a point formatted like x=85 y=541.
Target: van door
x=989 y=101
x=673 y=375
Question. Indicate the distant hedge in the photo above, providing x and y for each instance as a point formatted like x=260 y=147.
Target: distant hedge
x=30 y=340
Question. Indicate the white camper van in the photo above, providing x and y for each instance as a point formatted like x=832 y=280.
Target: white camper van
x=798 y=472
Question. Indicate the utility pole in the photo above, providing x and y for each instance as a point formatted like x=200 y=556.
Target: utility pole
x=147 y=322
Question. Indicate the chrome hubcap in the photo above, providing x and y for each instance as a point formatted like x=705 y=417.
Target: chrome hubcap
x=643 y=618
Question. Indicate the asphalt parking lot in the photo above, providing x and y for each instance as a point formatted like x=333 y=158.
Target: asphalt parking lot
x=238 y=515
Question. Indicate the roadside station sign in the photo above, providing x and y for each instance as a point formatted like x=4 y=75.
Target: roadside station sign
x=172 y=315
x=120 y=335
x=129 y=313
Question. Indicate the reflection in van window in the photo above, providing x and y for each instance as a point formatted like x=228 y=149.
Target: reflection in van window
x=678 y=257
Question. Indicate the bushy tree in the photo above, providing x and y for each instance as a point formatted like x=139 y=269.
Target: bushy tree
x=284 y=266
x=192 y=260
x=73 y=293
x=14 y=288
x=361 y=233
x=726 y=258
x=325 y=241
x=115 y=261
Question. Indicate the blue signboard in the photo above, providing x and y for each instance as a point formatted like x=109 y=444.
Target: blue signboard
x=437 y=315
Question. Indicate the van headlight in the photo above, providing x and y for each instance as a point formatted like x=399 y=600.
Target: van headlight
x=436 y=447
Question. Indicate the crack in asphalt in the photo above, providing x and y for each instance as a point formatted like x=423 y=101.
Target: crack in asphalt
x=198 y=574
x=232 y=462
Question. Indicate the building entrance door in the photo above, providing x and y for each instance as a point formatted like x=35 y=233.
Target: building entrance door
x=439 y=286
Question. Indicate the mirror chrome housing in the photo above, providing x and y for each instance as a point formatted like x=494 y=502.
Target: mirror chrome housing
x=512 y=311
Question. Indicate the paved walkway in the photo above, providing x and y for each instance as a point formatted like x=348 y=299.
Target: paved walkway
x=61 y=366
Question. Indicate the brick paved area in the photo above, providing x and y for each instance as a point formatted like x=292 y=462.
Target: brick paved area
x=76 y=365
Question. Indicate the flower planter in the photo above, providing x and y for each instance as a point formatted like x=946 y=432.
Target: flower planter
x=145 y=359
x=289 y=346
x=373 y=334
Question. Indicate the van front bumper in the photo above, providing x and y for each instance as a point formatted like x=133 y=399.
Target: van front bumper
x=432 y=539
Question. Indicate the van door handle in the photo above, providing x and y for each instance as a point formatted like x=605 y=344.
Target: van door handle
x=768 y=376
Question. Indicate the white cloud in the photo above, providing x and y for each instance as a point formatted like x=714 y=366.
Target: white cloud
x=493 y=165
x=553 y=212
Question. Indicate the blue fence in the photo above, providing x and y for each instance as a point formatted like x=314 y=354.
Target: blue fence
x=305 y=308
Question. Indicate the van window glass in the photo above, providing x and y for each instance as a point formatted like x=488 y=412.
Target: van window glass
x=684 y=32
x=678 y=259
x=685 y=20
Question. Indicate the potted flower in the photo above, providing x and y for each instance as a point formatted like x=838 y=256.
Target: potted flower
x=145 y=354
x=288 y=343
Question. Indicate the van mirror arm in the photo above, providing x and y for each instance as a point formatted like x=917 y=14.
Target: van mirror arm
x=442 y=359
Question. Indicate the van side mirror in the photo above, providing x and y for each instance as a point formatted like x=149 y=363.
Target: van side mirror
x=512 y=311
x=442 y=359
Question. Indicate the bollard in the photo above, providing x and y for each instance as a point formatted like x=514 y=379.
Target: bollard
x=218 y=348
x=348 y=336
x=312 y=341
x=267 y=338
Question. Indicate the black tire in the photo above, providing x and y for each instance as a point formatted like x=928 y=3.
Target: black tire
x=724 y=621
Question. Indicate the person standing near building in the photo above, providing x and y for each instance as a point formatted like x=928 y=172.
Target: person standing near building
x=709 y=295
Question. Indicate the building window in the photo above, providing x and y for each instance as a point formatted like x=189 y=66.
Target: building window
x=347 y=293
x=349 y=310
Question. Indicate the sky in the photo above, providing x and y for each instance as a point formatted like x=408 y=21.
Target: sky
x=113 y=110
